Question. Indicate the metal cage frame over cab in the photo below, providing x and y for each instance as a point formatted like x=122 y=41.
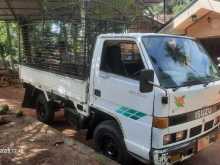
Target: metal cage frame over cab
x=62 y=41
x=59 y=36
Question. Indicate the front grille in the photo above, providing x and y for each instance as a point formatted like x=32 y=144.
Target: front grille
x=208 y=125
x=195 y=130
x=194 y=115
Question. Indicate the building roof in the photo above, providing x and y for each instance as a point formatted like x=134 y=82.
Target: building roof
x=13 y=9
x=198 y=10
x=34 y=9
x=31 y=9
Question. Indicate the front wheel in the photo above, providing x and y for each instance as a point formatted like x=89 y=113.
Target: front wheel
x=109 y=141
x=44 y=109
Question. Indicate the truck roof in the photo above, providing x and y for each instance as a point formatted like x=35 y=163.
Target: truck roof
x=138 y=35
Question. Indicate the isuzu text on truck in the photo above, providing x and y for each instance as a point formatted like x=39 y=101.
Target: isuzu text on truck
x=151 y=96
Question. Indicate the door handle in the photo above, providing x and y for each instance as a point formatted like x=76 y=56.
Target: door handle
x=97 y=92
x=104 y=76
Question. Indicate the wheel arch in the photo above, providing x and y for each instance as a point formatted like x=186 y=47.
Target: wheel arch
x=30 y=95
x=97 y=116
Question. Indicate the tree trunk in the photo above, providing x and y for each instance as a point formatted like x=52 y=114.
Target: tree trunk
x=19 y=42
x=3 y=60
x=9 y=45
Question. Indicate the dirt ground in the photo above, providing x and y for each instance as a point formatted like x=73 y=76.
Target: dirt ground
x=13 y=97
x=26 y=141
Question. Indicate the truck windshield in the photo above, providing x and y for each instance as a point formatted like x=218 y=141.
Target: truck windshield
x=180 y=61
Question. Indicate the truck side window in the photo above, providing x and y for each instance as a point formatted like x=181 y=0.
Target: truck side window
x=121 y=58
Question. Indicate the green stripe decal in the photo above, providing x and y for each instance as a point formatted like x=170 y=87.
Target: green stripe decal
x=130 y=113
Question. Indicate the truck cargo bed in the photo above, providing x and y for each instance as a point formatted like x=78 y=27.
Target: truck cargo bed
x=71 y=88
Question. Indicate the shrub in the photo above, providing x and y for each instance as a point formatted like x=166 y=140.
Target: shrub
x=19 y=113
x=4 y=109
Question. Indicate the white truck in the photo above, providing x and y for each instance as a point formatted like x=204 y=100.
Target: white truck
x=151 y=96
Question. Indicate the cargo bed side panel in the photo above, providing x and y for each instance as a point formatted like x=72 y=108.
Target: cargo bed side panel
x=67 y=87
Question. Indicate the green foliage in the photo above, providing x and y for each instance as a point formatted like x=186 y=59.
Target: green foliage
x=19 y=113
x=180 y=5
x=8 y=43
x=173 y=7
x=4 y=109
x=123 y=9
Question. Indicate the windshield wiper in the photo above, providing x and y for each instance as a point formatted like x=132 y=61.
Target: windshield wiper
x=193 y=82
x=207 y=80
x=189 y=83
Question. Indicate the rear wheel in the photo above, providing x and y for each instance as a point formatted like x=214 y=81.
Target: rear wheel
x=109 y=141
x=72 y=116
x=44 y=109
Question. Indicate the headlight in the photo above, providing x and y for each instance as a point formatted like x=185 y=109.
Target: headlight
x=167 y=139
x=174 y=137
x=180 y=135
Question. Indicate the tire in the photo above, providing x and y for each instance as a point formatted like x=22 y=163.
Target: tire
x=72 y=117
x=44 y=110
x=110 y=142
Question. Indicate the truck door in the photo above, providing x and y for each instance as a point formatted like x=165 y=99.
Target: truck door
x=116 y=92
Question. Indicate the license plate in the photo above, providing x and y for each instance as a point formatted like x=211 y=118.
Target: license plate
x=205 y=141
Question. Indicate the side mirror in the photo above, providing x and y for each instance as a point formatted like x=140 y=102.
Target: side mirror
x=146 y=81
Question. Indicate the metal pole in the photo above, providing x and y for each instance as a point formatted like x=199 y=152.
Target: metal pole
x=164 y=10
x=19 y=43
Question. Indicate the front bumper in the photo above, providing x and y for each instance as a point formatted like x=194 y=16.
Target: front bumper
x=181 y=152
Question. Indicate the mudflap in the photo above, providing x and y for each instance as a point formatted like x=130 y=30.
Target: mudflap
x=29 y=96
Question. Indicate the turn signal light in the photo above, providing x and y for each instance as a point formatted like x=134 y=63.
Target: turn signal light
x=161 y=122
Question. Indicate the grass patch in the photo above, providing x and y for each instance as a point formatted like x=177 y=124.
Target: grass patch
x=101 y=159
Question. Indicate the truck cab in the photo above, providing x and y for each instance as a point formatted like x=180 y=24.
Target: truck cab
x=152 y=96
x=179 y=105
